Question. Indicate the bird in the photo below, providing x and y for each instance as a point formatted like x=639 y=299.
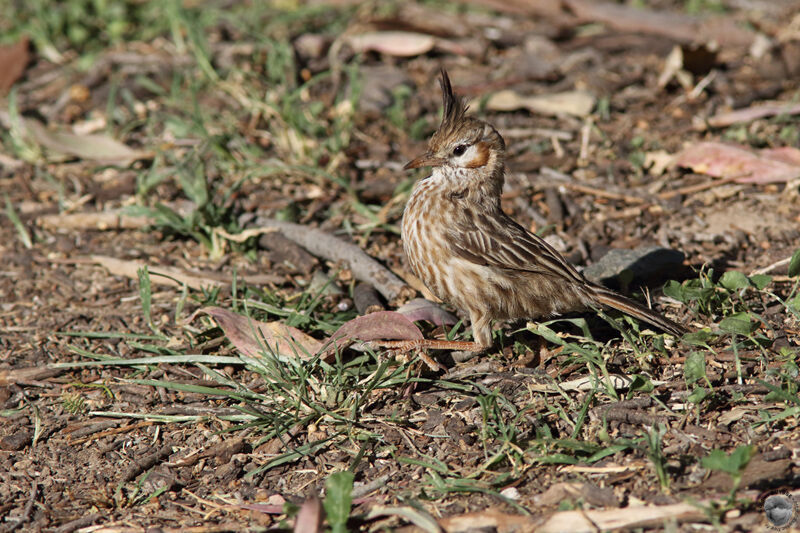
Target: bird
x=471 y=254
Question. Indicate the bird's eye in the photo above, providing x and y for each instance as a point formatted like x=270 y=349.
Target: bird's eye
x=460 y=149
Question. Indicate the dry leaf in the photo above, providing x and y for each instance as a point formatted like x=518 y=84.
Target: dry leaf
x=728 y=161
x=786 y=154
x=491 y=519
x=166 y=275
x=585 y=383
x=393 y=43
x=253 y=337
x=748 y=114
x=422 y=309
x=106 y=220
x=732 y=415
x=558 y=492
x=309 y=518
x=673 y=69
x=590 y=521
x=658 y=161
x=577 y=103
x=13 y=60
x=16 y=376
x=677 y=26
x=95 y=147
x=381 y=325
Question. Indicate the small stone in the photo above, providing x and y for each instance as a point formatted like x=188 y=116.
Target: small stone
x=16 y=441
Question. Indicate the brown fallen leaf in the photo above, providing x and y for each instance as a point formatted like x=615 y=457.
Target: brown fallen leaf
x=16 y=376
x=13 y=60
x=105 y=220
x=381 y=325
x=673 y=69
x=94 y=146
x=393 y=43
x=729 y=161
x=678 y=26
x=618 y=381
x=748 y=114
x=658 y=161
x=623 y=518
x=425 y=19
x=786 y=154
x=490 y=519
x=558 y=492
x=253 y=337
x=172 y=276
x=309 y=518
x=577 y=103
x=757 y=471
x=422 y=309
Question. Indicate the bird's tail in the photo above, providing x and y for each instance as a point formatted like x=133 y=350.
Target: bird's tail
x=629 y=307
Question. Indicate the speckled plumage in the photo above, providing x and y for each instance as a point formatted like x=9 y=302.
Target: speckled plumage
x=469 y=253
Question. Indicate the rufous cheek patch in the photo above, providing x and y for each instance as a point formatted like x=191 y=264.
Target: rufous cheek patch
x=481 y=158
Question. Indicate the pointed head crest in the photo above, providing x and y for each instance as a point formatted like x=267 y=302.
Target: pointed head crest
x=453 y=113
x=453 y=106
x=462 y=141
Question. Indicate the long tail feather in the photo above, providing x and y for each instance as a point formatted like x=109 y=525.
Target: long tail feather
x=637 y=310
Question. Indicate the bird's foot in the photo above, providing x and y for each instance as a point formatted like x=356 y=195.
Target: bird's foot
x=420 y=345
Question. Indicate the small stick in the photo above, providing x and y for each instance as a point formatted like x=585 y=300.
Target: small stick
x=689 y=189
x=323 y=244
x=771 y=267
x=146 y=462
x=602 y=193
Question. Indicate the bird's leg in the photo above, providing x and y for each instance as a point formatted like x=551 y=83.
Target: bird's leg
x=482 y=333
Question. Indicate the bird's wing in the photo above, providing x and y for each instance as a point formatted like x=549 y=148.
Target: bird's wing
x=500 y=242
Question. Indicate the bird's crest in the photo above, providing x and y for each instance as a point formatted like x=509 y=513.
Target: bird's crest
x=453 y=112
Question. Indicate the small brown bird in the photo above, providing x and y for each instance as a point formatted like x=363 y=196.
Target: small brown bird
x=469 y=253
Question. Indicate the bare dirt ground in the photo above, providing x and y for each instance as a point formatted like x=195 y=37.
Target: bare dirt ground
x=162 y=132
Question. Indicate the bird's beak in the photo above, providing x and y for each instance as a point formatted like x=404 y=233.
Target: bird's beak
x=425 y=160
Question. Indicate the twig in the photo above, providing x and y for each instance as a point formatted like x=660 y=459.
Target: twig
x=147 y=462
x=323 y=244
x=163 y=275
x=106 y=220
x=771 y=267
x=689 y=189
x=586 y=132
x=77 y=439
x=602 y=193
x=78 y=523
x=363 y=490
x=26 y=512
x=555 y=178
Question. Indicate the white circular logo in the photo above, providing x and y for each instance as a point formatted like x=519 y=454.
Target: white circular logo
x=780 y=510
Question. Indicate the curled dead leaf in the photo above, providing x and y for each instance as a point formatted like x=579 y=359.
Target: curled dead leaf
x=729 y=161
x=253 y=337
x=309 y=518
x=393 y=43
x=381 y=325
x=422 y=309
x=94 y=146
x=13 y=60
